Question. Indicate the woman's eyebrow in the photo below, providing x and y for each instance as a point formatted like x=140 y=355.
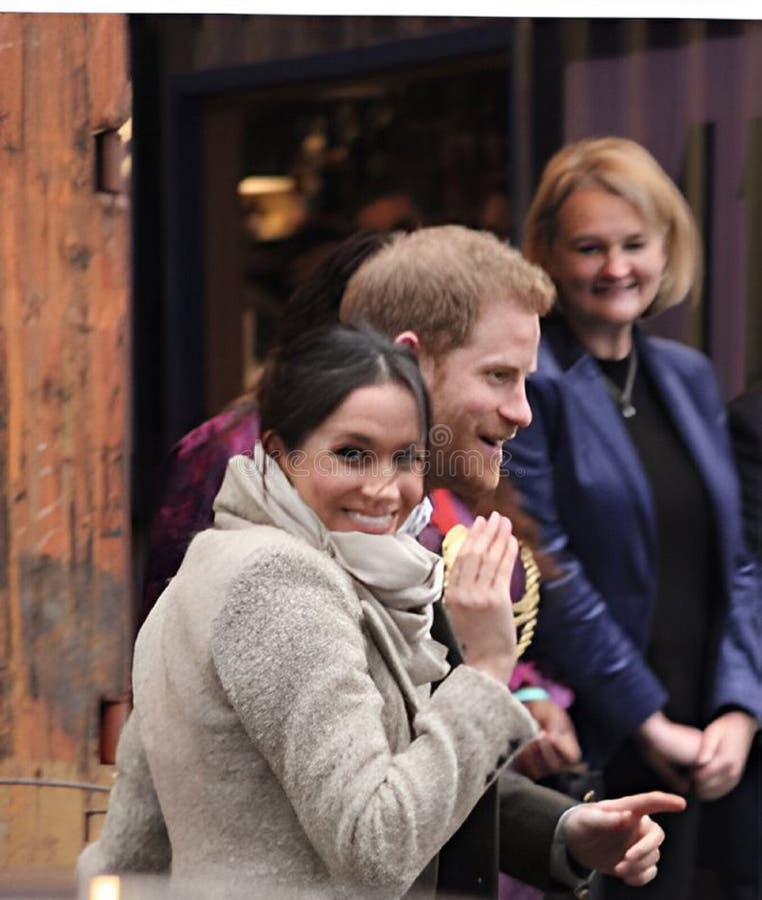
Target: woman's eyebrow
x=356 y=436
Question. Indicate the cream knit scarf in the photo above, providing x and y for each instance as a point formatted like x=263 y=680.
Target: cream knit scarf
x=397 y=575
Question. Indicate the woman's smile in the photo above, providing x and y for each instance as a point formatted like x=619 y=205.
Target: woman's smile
x=360 y=469
x=372 y=524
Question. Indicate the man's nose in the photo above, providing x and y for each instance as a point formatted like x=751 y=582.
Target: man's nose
x=516 y=410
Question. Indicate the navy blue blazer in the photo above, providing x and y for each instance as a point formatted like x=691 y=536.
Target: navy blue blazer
x=582 y=480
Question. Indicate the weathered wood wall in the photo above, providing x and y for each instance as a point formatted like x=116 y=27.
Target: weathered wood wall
x=65 y=630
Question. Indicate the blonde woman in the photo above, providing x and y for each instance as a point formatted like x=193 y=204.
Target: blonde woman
x=654 y=618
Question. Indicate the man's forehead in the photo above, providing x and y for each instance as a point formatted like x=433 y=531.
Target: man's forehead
x=474 y=356
x=509 y=357
x=503 y=333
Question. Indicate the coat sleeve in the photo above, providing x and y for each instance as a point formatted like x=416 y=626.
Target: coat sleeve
x=738 y=682
x=134 y=836
x=529 y=814
x=290 y=652
x=576 y=632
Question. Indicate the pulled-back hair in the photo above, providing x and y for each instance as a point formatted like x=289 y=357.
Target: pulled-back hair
x=315 y=302
x=626 y=169
x=307 y=379
x=434 y=281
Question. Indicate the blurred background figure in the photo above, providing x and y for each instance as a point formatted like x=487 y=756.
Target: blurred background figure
x=627 y=468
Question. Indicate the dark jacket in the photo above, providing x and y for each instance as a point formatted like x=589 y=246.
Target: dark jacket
x=583 y=482
x=509 y=830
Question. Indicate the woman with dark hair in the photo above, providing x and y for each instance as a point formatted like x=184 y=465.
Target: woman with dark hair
x=283 y=737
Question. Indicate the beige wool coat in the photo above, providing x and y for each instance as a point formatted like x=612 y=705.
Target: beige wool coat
x=277 y=746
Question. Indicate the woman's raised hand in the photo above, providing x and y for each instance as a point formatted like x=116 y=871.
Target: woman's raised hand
x=478 y=597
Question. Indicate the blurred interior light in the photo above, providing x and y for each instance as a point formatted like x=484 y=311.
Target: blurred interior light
x=105 y=887
x=273 y=207
x=264 y=185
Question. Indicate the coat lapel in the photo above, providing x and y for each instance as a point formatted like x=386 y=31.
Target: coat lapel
x=596 y=413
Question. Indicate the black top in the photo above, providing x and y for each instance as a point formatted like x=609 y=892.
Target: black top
x=682 y=630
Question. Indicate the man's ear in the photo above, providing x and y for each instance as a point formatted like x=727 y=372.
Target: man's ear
x=409 y=339
x=426 y=362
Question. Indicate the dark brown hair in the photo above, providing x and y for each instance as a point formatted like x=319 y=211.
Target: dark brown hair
x=315 y=302
x=305 y=380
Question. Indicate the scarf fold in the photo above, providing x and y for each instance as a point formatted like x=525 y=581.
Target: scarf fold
x=397 y=575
